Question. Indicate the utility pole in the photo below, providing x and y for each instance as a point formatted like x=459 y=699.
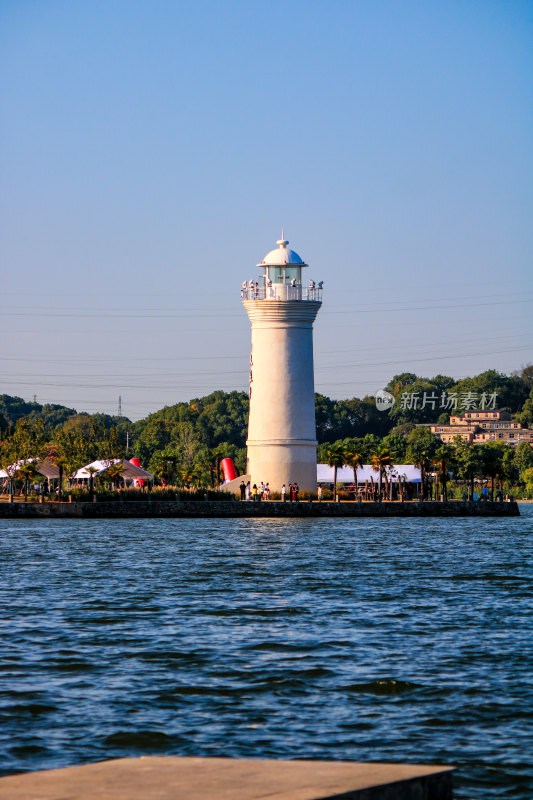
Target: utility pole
x=127 y=440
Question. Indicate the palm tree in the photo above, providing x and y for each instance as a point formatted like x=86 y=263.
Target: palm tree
x=381 y=459
x=492 y=457
x=355 y=459
x=197 y=475
x=114 y=471
x=26 y=472
x=468 y=458
x=443 y=462
x=92 y=471
x=421 y=448
x=335 y=458
x=216 y=454
x=68 y=452
x=186 y=477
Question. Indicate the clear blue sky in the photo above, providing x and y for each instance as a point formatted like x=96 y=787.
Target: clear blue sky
x=151 y=151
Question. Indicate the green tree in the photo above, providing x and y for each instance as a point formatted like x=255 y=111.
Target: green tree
x=354 y=458
x=26 y=472
x=335 y=459
x=468 y=461
x=110 y=447
x=525 y=415
x=527 y=375
x=68 y=452
x=508 y=471
x=396 y=444
x=421 y=449
x=444 y=461
x=381 y=461
x=4 y=426
x=164 y=464
x=216 y=455
x=92 y=472
x=523 y=456
x=511 y=391
x=417 y=399
x=23 y=446
x=114 y=473
x=341 y=419
x=527 y=477
x=369 y=444
x=492 y=462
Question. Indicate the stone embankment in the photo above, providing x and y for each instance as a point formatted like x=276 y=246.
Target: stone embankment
x=215 y=508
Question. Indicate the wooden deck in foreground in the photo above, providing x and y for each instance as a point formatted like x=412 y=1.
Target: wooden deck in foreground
x=170 y=778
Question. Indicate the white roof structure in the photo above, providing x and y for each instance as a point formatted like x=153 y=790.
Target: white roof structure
x=42 y=466
x=282 y=256
x=407 y=472
x=129 y=470
x=10 y=470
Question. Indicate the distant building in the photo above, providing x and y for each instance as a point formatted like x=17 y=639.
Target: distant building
x=477 y=427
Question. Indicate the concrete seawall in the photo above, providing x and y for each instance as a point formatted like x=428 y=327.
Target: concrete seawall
x=215 y=508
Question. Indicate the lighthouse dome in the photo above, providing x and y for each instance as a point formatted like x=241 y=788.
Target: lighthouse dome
x=282 y=256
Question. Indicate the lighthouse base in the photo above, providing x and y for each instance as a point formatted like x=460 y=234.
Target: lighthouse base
x=283 y=462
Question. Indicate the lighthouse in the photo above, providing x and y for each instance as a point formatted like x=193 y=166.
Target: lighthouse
x=281 y=428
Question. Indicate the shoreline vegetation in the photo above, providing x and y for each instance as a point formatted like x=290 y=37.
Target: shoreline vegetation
x=183 y=445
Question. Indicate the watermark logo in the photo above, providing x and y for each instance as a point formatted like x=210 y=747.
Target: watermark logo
x=445 y=401
x=449 y=401
x=384 y=400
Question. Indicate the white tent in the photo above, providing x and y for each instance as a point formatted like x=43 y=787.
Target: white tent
x=42 y=466
x=407 y=472
x=129 y=470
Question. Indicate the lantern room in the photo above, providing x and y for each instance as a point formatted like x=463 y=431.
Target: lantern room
x=282 y=265
x=281 y=278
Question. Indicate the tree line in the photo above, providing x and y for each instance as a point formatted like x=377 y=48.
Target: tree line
x=458 y=463
x=185 y=443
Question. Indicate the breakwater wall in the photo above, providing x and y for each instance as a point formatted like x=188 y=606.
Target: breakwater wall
x=215 y=508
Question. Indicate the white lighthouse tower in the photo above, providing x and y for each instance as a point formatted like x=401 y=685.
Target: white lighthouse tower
x=281 y=429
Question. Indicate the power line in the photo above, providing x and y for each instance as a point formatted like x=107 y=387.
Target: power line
x=354 y=310
x=244 y=371
x=200 y=384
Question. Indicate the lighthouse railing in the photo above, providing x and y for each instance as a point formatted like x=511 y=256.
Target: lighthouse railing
x=281 y=291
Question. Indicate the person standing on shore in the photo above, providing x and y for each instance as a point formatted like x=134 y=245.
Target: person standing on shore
x=296 y=490
x=319 y=494
x=254 y=493
x=284 y=493
x=242 y=489
x=290 y=492
x=248 y=491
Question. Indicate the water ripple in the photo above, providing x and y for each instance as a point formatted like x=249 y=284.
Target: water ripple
x=395 y=640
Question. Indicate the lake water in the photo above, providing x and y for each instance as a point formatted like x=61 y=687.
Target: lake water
x=375 y=639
